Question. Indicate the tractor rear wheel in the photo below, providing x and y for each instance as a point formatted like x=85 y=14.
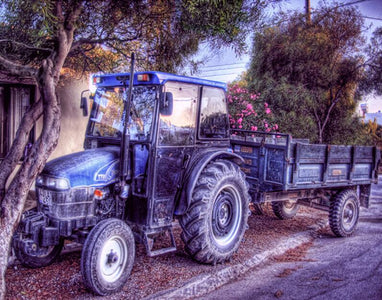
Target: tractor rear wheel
x=216 y=220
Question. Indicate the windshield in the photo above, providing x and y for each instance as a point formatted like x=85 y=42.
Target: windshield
x=106 y=118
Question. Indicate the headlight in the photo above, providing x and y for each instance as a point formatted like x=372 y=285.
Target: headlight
x=53 y=183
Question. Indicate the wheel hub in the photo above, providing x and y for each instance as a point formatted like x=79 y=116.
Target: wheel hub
x=289 y=205
x=112 y=257
x=226 y=214
x=349 y=215
x=222 y=216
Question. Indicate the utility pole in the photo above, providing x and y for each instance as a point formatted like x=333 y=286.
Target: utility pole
x=307 y=11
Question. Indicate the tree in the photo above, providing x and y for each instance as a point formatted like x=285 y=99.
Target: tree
x=372 y=81
x=40 y=38
x=309 y=72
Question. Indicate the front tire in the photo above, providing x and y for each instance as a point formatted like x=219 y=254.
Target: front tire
x=285 y=210
x=108 y=257
x=344 y=213
x=38 y=257
x=216 y=220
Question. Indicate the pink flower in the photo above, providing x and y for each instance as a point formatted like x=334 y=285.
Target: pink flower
x=265 y=104
x=240 y=120
x=249 y=106
x=268 y=111
x=253 y=128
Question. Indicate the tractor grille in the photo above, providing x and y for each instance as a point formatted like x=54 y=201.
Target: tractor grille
x=66 y=205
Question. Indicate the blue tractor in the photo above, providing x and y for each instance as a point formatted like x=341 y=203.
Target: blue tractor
x=157 y=149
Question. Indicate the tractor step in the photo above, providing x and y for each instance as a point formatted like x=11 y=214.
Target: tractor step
x=149 y=239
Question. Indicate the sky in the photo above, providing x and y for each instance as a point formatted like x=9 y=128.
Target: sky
x=225 y=66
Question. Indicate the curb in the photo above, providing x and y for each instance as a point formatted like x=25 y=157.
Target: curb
x=203 y=284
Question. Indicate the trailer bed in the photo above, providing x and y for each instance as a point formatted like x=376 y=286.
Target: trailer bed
x=276 y=162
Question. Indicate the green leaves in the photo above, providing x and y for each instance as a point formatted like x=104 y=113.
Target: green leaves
x=164 y=33
x=309 y=73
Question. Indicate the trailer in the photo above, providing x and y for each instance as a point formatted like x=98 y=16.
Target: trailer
x=289 y=173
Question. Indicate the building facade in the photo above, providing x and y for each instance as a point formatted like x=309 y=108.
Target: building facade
x=17 y=95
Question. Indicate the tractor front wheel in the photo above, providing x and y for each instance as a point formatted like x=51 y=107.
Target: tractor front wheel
x=36 y=256
x=108 y=257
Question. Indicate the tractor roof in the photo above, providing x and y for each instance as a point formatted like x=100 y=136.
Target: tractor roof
x=151 y=77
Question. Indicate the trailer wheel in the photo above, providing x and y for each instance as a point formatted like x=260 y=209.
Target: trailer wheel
x=285 y=210
x=108 y=257
x=344 y=213
x=37 y=257
x=216 y=220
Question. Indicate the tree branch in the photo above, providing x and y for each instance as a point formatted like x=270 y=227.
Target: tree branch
x=17 y=69
x=26 y=46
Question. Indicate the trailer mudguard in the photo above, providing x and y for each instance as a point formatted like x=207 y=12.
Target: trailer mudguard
x=192 y=173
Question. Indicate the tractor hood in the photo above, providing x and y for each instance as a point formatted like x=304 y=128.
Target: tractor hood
x=95 y=167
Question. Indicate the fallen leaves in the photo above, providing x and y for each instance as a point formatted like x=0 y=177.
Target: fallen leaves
x=63 y=279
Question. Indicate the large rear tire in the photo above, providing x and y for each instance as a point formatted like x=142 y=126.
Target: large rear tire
x=108 y=257
x=344 y=213
x=216 y=220
x=285 y=210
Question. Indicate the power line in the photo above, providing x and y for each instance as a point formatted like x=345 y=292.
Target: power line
x=352 y=3
x=223 y=69
x=217 y=75
x=372 y=18
x=239 y=63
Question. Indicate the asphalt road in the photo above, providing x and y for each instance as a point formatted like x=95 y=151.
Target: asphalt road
x=333 y=268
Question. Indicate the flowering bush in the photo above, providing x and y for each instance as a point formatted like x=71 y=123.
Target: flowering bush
x=246 y=111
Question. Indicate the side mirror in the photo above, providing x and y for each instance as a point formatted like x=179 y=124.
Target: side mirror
x=84 y=104
x=166 y=104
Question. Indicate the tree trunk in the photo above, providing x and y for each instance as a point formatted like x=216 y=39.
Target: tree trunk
x=15 y=197
x=15 y=154
x=12 y=204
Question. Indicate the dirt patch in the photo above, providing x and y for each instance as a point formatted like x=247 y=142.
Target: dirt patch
x=288 y=271
x=296 y=254
x=63 y=280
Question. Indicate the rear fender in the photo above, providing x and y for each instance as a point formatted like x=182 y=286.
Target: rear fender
x=195 y=168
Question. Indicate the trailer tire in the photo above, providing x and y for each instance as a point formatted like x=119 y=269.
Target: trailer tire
x=344 y=213
x=285 y=210
x=214 y=225
x=41 y=256
x=108 y=257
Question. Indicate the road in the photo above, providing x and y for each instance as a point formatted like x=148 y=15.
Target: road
x=333 y=268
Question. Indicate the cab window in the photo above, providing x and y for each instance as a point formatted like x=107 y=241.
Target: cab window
x=179 y=127
x=213 y=114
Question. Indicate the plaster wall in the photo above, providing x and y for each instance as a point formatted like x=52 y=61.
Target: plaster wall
x=73 y=123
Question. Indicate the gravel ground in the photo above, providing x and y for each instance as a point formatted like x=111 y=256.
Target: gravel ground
x=62 y=280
